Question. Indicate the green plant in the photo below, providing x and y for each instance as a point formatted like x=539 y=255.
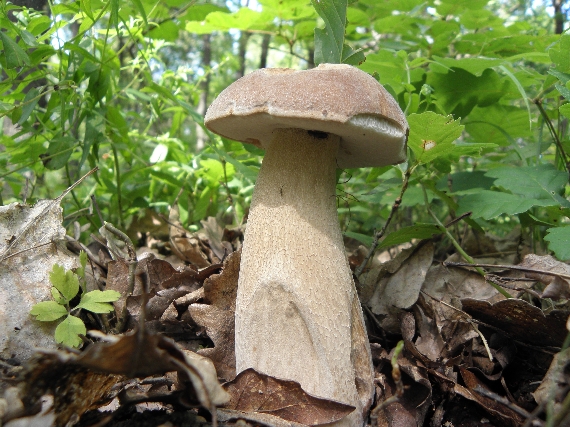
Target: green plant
x=66 y=286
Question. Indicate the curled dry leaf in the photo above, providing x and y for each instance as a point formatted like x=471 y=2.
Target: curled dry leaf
x=251 y=391
x=31 y=242
x=139 y=354
x=557 y=286
x=521 y=321
x=217 y=316
x=400 y=290
x=185 y=245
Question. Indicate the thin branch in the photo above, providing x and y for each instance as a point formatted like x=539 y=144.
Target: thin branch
x=381 y=233
x=459 y=248
x=510 y=267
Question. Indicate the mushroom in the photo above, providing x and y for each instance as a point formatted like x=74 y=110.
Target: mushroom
x=298 y=316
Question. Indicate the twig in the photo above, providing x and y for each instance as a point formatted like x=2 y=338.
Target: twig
x=459 y=248
x=502 y=400
x=381 y=233
x=510 y=267
x=555 y=137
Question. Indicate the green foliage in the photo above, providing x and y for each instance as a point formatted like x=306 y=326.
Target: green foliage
x=118 y=86
x=65 y=288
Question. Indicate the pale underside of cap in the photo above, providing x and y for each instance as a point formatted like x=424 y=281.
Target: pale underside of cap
x=332 y=98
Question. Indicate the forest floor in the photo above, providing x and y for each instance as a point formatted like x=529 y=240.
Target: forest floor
x=448 y=348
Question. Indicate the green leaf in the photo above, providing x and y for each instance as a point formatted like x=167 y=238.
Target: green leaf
x=362 y=238
x=558 y=238
x=329 y=41
x=48 y=311
x=559 y=54
x=202 y=205
x=66 y=282
x=543 y=182
x=406 y=234
x=14 y=55
x=432 y=136
x=213 y=170
x=141 y=10
x=68 y=331
x=57 y=296
x=490 y=204
x=29 y=38
x=459 y=91
x=565 y=110
x=30 y=102
x=59 y=151
x=97 y=301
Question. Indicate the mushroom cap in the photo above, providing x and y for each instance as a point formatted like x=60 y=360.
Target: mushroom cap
x=332 y=98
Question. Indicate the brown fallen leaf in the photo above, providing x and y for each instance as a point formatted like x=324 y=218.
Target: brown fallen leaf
x=53 y=373
x=252 y=391
x=217 y=316
x=521 y=321
x=400 y=290
x=140 y=354
x=557 y=283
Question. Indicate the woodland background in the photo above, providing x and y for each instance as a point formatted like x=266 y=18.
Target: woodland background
x=122 y=86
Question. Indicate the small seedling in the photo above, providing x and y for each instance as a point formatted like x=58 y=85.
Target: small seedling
x=66 y=285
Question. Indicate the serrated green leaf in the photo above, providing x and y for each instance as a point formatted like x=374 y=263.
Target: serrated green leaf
x=558 y=239
x=48 y=311
x=68 y=331
x=543 y=182
x=98 y=301
x=329 y=41
x=432 y=135
x=406 y=234
x=559 y=54
x=490 y=204
x=14 y=55
x=66 y=282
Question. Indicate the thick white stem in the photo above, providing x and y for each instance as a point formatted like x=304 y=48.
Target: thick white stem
x=297 y=311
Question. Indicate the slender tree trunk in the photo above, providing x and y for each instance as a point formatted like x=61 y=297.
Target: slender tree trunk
x=558 y=16
x=204 y=89
x=244 y=37
x=264 y=50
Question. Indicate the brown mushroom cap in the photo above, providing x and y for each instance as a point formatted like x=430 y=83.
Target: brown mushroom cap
x=332 y=98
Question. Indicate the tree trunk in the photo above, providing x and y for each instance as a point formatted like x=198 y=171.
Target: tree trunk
x=558 y=16
x=244 y=37
x=264 y=50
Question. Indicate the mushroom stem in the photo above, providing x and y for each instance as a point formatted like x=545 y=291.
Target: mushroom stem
x=297 y=311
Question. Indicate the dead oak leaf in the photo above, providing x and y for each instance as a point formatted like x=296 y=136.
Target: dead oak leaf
x=217 y=316
x=252 y=391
